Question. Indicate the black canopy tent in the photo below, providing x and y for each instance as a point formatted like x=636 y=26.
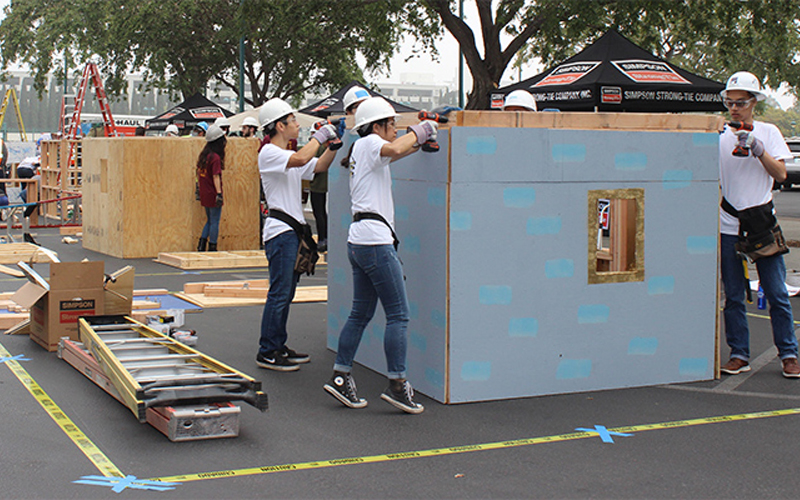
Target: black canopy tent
x=186 y=115
x=614 y=74
x=333 y=105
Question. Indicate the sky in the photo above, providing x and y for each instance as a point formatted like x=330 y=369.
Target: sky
x=445 y=71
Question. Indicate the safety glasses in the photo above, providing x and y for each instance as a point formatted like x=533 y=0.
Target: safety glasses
x=730 y=103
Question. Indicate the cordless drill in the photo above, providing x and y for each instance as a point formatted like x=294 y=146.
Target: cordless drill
x=741 y=150
x=333 y=144
x=431 y=146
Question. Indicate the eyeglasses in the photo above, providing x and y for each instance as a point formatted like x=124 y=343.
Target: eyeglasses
x=729 y=103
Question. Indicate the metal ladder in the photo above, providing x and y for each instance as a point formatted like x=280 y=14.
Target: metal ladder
x=11 y=95
x=150 y=369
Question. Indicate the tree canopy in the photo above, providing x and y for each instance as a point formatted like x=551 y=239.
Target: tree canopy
x=713 y=38
x=180 y=45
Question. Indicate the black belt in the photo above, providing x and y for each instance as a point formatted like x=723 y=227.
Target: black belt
x=359 y=216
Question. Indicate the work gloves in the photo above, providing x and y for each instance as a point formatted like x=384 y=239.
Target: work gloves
x=425 y=131
x=749 y=141
x=325 y=133
x=219 y=201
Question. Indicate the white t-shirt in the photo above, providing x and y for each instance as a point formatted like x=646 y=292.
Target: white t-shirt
x=283 y=187
x=371 y=191
x=745 y=182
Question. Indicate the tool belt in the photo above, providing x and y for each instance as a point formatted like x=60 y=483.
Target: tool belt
x=359 y=216
x=760 y=235
x=307 y=255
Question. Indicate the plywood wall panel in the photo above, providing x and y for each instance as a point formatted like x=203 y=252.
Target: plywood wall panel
x=140 y=199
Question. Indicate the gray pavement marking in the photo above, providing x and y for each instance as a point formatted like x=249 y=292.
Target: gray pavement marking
x=764 y=395
x=734 y=381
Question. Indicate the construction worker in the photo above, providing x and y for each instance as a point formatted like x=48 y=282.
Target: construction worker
x=210 y=165
x=249 y=127
x=371 y=248
x=199 y=129
x=519 y=100
x=172 y=130
x=282 y=172
x=224 y=124
x=750 y=161
x=352 y=98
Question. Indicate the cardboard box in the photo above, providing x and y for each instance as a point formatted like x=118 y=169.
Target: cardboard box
x=75 y=289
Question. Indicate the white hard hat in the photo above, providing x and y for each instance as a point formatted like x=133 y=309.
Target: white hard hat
x=372 y=110
x=744 y=80
x=214 y=132
x=273 y=110
x=172 y=129
x=222 y=122
x=249 y=121
x=354 y=95
x=521 y=98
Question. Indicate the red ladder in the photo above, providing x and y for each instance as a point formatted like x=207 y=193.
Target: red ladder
x=90 y=72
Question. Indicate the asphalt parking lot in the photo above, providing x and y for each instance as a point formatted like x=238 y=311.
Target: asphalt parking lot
x=732 y=438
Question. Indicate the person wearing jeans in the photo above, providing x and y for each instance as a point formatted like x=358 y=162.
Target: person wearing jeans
x=372 y=250
x=751 y=158
x=210 y=165
x=282 y=173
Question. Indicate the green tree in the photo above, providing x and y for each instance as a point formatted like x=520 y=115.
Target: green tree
x=711 y=37
x=291 y=47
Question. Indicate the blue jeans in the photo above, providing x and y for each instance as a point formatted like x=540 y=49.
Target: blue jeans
x=772 y=275
x=211 y=229
x=281 y=254
x=377 y=274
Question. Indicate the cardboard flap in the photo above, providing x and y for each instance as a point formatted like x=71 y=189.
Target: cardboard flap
x=76 y=275
x=28 y=295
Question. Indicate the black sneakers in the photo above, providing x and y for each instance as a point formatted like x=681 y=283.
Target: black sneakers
x=343 y=388
x=295 y=357
x=276 y=360
x=400 y=395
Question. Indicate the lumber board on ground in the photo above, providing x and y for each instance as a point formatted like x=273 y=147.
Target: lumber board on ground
x=238 y=284
x=11 y=319
x=671 y=122
x=217 y=260
x=11 y=253
x=303 y=294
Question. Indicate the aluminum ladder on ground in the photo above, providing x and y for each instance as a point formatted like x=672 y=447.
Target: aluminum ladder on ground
x=150 y=369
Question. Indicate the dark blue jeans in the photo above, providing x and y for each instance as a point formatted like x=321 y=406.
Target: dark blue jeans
x=281 y=254
x=211 y=229
x=377 y=274
x=772 y=276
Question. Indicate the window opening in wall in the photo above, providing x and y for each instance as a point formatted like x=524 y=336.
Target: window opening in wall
x=616 y=235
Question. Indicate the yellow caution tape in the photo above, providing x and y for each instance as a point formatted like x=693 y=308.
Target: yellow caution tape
x=270 y=469
x=92 y=452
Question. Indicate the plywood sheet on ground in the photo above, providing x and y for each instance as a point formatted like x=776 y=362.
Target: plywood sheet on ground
x=11 y=253
x=217 y=260
x=303 y=294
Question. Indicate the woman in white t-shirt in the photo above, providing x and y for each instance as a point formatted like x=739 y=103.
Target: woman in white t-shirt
x=371 y=248
x=282 y=174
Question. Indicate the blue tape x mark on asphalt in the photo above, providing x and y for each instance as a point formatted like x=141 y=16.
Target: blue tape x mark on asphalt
x=120 y=483
x=18 y=357
x=604 y=433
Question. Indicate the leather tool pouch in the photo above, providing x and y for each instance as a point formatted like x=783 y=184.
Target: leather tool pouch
x=760 y=234
x=307 y=255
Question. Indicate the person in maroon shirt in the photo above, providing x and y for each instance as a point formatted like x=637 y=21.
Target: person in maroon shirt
x=210 y=165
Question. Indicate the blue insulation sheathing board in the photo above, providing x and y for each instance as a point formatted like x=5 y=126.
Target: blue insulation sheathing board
x=496 y=261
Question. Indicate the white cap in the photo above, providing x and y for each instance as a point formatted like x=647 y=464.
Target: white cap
x=354 y=95
x=222 y=122
x=249 y=121
x=273 y=110
x=214 y=132
x=744 y=80
x=372 y=110
x=172 y=129
x=521 y=98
